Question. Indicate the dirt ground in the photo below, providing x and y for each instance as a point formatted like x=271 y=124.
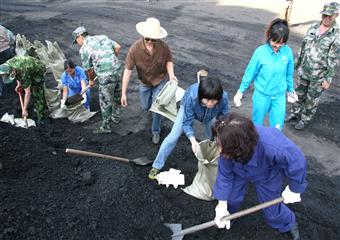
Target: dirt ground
x=46 y=194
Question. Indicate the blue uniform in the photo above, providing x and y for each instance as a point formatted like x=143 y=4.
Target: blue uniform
x=193 y=109
x=190 y=109
x=275 y=157
x=273 y=77
x=74 y=83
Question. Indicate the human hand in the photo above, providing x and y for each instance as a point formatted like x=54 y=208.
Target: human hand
x=174 y=78
x=194 y=144
x=290 y=197
x=91 y=83
x=221 y=210
x=325 y=84
x=62 y=104
x=292 y=97
x=19 y=89
x=237 y=98
x=24 y=113
x=84 y=99
x=123 y=100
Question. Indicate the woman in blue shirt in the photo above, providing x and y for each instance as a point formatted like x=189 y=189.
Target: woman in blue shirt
x=262 y=156
x=271 y=68
x=204 y=102
x=74 y=81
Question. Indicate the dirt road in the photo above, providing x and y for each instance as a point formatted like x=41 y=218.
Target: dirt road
x=46 y=194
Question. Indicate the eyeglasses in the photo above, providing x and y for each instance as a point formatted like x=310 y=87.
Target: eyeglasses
x=150 y=40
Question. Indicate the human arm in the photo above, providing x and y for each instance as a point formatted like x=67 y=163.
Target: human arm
x=332 y=62
x=125 y=83
x=250 y=72
x=117 y=48
x=170 y=70
x=26 y=101
x=91 y=75
x=290 y=72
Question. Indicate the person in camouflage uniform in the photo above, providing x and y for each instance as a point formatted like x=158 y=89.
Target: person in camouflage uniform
x=315 y=65
x=29 y=73
x=99 y=57
x=7 y=49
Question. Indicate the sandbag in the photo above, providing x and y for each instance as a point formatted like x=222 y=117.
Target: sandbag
x=76 y=113
x=165 y=102
x=207 y=155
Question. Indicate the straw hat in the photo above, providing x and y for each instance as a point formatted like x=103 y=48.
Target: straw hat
x=151 y=28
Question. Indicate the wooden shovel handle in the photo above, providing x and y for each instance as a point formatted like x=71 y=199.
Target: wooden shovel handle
x=92 y=154
x=229 y=217
x=21 y=101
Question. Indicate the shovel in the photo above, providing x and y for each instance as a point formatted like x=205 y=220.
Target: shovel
x=138 y=161
x=178 y=234
x=78 y=97
x=22 y=108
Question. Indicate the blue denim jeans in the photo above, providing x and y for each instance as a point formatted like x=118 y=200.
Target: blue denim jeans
x=170 y=141
x=147 y=95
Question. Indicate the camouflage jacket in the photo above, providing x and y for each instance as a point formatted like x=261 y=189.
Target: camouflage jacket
x=7 y=39
x=28 y=70
x=319 y=55
x=98 y=52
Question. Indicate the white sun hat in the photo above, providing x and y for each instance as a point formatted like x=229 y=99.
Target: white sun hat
x=151 y=28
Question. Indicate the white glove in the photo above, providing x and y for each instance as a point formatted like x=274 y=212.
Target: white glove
x=290 y=197
x=237 y=98
x=221 y=210
x=292 y=97
x=62 y=104
x=84 y=99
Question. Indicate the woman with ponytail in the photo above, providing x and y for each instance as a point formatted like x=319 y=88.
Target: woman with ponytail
x=271 y=68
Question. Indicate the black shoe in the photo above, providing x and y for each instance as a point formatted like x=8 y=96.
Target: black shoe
x=293 y=233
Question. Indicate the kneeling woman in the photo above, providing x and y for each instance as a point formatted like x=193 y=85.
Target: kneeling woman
x=74 y=81
x=203 y=101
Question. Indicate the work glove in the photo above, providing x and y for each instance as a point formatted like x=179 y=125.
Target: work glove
x=237 y=98
x=62 y=104
x=221 y=210
x=290 y=197
x=84 y=99
x=194 y=144
x=292 y=97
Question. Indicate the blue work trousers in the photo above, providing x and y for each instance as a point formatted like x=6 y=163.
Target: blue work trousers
x=274 y=106
x=278 y=216
x=147 y=95
x=170 y=141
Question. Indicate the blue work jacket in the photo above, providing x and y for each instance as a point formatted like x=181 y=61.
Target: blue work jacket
x=193 y=109
x=74 y=83
x=275 y=155
x=271 y=72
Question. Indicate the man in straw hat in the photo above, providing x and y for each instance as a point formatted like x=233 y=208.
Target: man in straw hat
x=153 y=60
x=29 y=73
x=315 y=64
x=99 y=57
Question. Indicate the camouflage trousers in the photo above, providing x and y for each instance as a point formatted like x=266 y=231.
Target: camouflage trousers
x=110 y=91
x=309 y=93
x=38 y=97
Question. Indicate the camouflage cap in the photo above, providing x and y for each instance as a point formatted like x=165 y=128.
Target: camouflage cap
x=330 y=8
x=5 y=69
x=7 y=73
x=76 y=33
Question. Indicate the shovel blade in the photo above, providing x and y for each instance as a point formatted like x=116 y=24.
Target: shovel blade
x=141 y=161
x=175 y=228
